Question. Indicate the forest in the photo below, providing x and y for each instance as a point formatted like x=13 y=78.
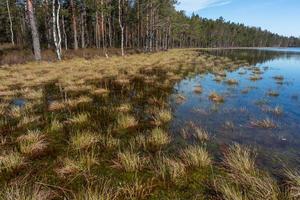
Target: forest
x=146 y=25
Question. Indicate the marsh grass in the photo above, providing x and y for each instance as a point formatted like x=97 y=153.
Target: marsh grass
x=79 y=119
x=243 y=172
x=80 y=165
x=125 y=121
x=11 y=161
x=162 y=116
x=232 y=82
x=168 y=169
x=294 y=183
x=255 y=77
x=198 y=89
x=196 y=132
x=33 y=143
x=25 y=192
x=264 y=123
x=158 y=139
x=273 y=93
x=278 y=78
x=102 y=190
x=129 y=161
x=179 y=99
x=277 y=110
x=101 y=92
x=83 y=140
x=195 y=156
x=215 y=97
x=229 y=125
x=138 y=189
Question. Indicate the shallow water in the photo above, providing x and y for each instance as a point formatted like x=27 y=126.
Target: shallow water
x=239 y=109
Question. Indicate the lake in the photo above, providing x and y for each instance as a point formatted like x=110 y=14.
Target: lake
x=249 y=101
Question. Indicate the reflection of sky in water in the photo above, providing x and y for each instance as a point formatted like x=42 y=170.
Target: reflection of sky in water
x=242 y=108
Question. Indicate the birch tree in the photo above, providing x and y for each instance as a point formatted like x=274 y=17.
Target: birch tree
x=56 y=28
x=121 y=25
x=10 y=23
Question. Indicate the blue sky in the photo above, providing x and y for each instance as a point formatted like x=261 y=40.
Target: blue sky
x=278 y=16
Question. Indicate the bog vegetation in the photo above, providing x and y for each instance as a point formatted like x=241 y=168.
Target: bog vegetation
x=99 y=129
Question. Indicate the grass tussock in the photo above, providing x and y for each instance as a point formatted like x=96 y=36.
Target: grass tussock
x=129 y=161
x=10 y=161
x=232 y=82
x=125 y=121
x=198 y=89
x=137 y=189
x=25 y=192
x=294 y=184
x=79 y=119
x=83 y=140
x=196 y=156
x=33 y=143
x=246 y=181
x=273 y=93
x=168 y=169
x=215 y=97
x=101 y=191
x=158 y=139
x=163 y=116
x=81 y=164
x=264 y=123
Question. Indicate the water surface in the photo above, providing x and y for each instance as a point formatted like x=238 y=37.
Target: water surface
x=247 y=102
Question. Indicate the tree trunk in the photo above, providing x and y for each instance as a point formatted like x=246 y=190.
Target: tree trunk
x=64 y=32
x=34 y=31
x=10 y=24
x=122 y=28
x=56 y=28
x=102 y=31
x=74 y=25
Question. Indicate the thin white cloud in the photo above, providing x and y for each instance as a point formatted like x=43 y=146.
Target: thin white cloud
x=196 y=5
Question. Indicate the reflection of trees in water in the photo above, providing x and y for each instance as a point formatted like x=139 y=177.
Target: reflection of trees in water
x=254 y=56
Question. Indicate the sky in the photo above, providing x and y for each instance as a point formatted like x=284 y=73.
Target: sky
x=278 y=16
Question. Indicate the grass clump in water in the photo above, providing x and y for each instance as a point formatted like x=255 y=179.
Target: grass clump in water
x=198 y=89
x=232 y=82
x=244 y=179
x=215 y=97
x=264 y=123
x=273 y=93
x=163 y=116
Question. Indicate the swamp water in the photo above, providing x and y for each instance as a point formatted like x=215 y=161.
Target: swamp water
x=248 y=101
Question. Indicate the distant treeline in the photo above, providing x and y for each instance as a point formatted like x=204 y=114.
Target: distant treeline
x=148 y=25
